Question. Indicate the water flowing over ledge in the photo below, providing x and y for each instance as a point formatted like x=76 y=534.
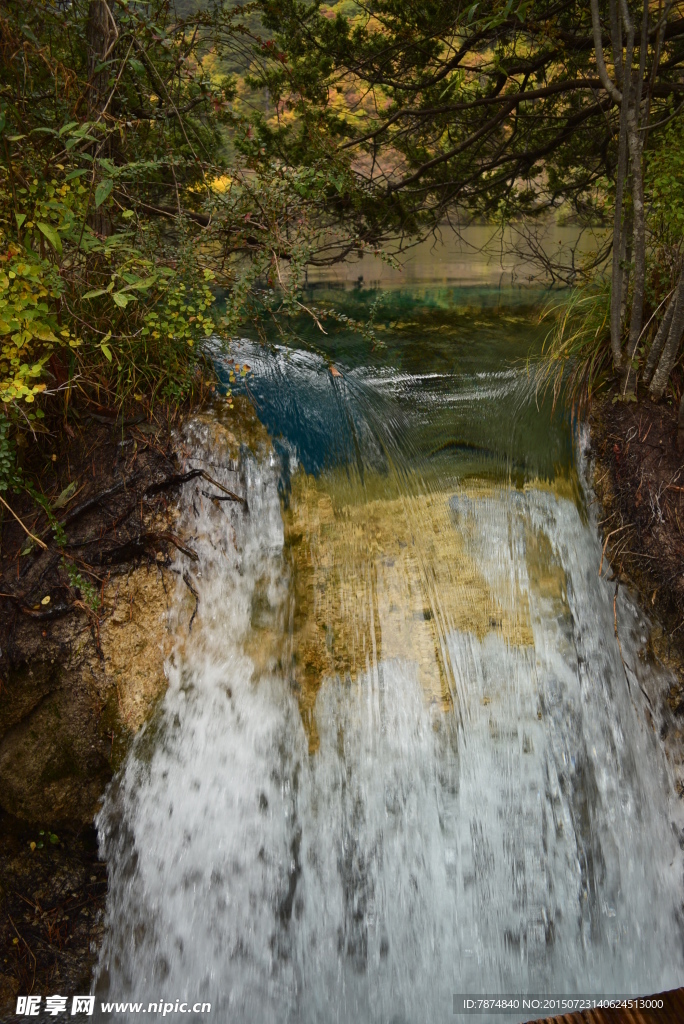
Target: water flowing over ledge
x=400 y=755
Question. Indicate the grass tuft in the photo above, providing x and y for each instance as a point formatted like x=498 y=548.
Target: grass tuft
x=576 y=360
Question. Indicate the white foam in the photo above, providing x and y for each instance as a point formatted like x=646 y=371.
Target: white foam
x=527 y=849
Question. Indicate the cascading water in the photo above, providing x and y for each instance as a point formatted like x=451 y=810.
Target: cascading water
x=402 y=754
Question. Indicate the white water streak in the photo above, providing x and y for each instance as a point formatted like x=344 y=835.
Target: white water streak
x=409 y=858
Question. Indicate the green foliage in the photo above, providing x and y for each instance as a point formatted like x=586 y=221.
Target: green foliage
x=121 y=219
x=51 y=837
x=93 y=283
x=77 y=581
x=664 y=180
x=10 y=476
x=88 y=592
x=576 y=355
x=30 y=289
x=430 y=100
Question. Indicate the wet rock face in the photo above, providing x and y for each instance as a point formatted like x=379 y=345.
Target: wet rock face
x=70 y=707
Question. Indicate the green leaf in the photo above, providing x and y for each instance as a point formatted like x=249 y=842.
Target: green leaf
x=137 y=66
x=107 y=351
x=75 y=174
x=21 y=217
x=121 y=299
x=103 y=190
x=66 y=494
x=94 y=294
x=51 y=235
x=142 y=285
x=73 y=141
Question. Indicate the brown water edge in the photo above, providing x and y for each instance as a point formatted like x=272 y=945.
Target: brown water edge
x=380 y=576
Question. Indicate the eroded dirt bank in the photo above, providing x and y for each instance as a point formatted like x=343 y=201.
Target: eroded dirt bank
x=639 y=480
x=83 y=630
x=639 y=484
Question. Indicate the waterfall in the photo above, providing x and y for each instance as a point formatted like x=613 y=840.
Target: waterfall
x=471 y=801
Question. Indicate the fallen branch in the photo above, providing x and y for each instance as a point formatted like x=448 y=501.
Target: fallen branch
x=222 y=497
x=111 y=526
x=231 y=494
x=192 y=474
x=172 y=481
x=177 y=542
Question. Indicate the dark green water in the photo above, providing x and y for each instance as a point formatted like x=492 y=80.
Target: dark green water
x=450 y=369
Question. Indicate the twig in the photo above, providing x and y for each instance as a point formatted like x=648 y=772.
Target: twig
x=28 y=533
x=181 y=478
x=31 y=954
x=221 y=497
x=186 y=580
x=95 y=500
x=605 y=545
x=231 y=494
x=172 y=481
x=177 y=542
x=139 y=544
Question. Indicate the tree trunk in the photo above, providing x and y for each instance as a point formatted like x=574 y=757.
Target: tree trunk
x=626 y=263
x=639 y=257
x=636 y=122
x=671 y=348
x=616 y=41
x=623 y=99
x=660 y=339
x=101 y=35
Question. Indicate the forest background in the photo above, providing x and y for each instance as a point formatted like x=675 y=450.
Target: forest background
x=157 y=156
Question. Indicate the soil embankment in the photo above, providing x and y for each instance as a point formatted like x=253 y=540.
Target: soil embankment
x=639 y=480
x=84 y=633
